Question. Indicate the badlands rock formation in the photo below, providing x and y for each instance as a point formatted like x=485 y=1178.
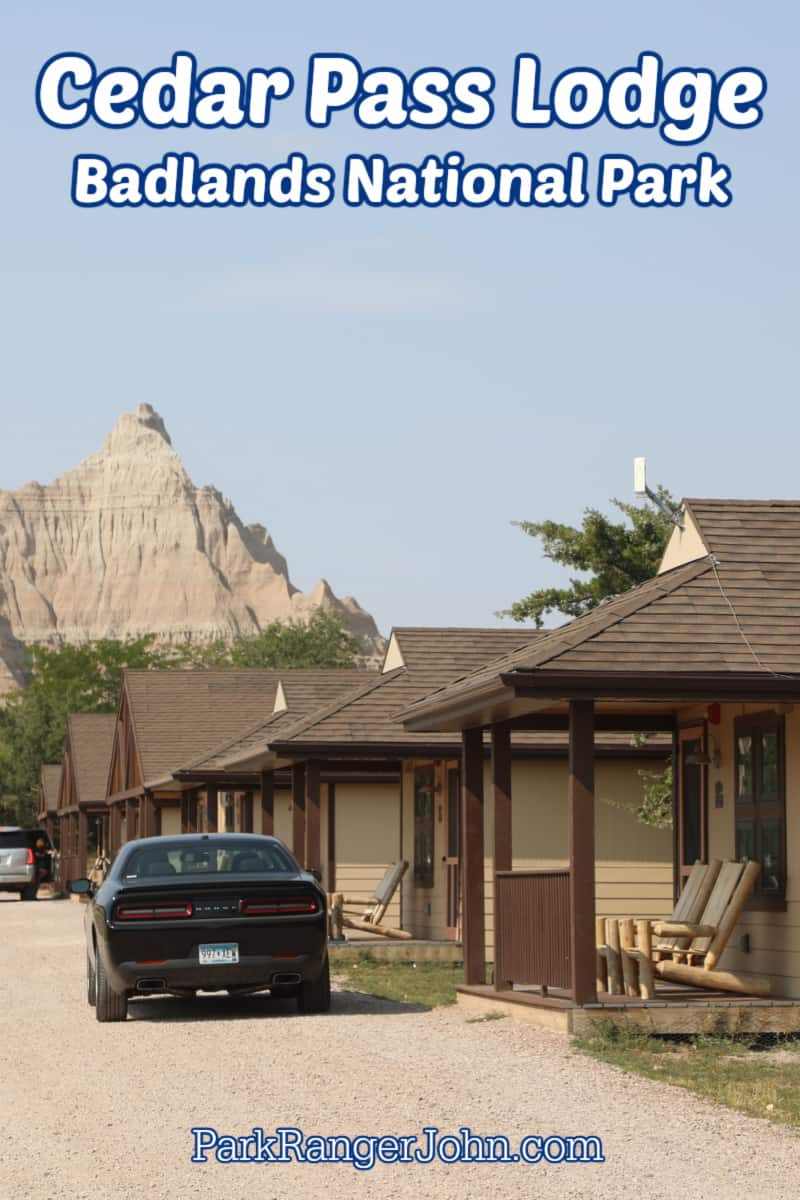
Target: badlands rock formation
x=125 y=545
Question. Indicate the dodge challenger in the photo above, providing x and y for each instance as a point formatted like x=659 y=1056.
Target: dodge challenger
x=205 y=912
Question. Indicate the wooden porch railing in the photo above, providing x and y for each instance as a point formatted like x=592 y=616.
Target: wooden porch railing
x=532 y=933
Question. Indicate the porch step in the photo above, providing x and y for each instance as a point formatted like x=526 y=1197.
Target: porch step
x=419 y=950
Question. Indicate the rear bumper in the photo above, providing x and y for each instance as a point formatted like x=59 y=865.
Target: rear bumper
x=14 y=880
x=186 y=974
x=287 y=948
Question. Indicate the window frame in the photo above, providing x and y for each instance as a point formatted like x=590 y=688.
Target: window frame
x=757 y=810
x=424 y=826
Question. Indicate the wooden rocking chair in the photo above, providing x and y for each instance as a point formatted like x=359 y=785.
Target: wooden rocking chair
x=370 y=917
x=616 y=973
x=687 y=947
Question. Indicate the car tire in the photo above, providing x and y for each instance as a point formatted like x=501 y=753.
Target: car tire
x=29 y=892
x=109 y=1005
x=316 y=997
x=91 y=983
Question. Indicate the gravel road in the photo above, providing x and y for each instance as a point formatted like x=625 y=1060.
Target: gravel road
x=105 y=1111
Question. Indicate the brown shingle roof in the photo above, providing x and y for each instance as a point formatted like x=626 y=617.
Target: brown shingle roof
x=50 y=782
x=432 y=656
x=305 y=692
x=179 y=716
x=367 y=713
x=736 y=610
x=91 y=737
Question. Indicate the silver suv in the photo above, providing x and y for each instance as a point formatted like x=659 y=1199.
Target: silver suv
x=26 y=858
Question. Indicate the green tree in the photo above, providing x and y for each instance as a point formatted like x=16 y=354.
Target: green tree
x=320 y=641
x=33 y=721
x=88 y=679
x=615 y=555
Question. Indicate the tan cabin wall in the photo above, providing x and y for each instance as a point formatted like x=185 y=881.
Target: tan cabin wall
x=170 y=820
x=684 y=546
x=367 y=841
x=634 y=861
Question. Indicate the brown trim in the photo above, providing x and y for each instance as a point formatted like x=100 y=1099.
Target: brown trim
x=580 y=797
x=646 y=685
x=472 y=867
x=501 y=789
x=212 y=809
x=331 y=837
x=267 y=802
x=761 y=809
x=603 y=722
x=691 y=731
x=299 y=812
x=313 y=860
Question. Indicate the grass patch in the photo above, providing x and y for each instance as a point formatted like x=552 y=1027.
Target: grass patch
x=429 y=983
x=755 y=1075
x=493 y=1015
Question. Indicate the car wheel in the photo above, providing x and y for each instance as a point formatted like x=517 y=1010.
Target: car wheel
x=316 y=997
x=91 y=983
x=29 y=892
x=109 y=1005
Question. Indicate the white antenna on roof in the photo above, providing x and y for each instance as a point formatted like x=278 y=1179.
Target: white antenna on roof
x=641 y=489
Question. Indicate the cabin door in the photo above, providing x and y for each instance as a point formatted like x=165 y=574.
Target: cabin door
x=692 y=822
x=452 y=858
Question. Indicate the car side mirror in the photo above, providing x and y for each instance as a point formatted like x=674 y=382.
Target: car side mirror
x=80 y=887
x=317 y=874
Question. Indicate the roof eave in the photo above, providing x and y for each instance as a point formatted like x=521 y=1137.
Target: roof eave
x=524 y=691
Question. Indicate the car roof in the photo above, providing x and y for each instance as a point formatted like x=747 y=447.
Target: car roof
x=199 y=839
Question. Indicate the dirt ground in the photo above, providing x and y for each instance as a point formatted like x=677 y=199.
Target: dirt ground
x=105 y=1111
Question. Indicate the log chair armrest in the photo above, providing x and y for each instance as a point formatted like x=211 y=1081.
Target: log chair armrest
x=682 y=929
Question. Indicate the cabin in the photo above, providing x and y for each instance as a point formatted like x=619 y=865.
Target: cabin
x=168 y=718
x=82 y=809
x=362 y=792
x=49 y=785
x=710 y=646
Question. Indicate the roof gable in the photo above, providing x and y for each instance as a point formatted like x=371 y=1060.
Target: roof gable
x=90 y=738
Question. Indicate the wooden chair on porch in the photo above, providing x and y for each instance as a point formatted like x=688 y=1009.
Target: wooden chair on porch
x=371 y=916
x=686 y=949
x=616 y=973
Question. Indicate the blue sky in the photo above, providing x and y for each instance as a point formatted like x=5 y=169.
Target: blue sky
x=388 y=390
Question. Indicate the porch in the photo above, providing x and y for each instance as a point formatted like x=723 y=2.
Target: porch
x=543 y=922
x=674 y=1009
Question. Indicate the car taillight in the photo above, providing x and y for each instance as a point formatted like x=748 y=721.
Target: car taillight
x=282 y=908
x=29 y=857
x=153 y=912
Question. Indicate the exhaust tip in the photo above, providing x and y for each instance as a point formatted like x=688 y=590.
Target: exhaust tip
x=151 y=985
x=288 y=977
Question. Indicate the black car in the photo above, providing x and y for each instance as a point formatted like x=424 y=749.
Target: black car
x=205 y=912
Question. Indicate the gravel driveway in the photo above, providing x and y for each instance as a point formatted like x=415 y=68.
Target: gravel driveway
x=106 y=1110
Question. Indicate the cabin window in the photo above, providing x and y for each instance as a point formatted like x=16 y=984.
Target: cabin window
x=761 y=800
x=424 y=782
x=229 y=809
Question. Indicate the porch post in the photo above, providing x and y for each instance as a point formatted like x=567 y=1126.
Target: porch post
x=299 y=812
x=313 y=849
x=212 y=809
x=501 y=794
x=472 y=887
x=82 y=849
x=267 y=802
x=113 y=830
x=247 y=812
x=148 y=813
x=581 y=850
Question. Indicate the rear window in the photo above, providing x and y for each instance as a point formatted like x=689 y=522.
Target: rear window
x=13 y=839
x=209 y=858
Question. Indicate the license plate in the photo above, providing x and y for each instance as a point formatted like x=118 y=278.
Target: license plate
x=219 y=953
